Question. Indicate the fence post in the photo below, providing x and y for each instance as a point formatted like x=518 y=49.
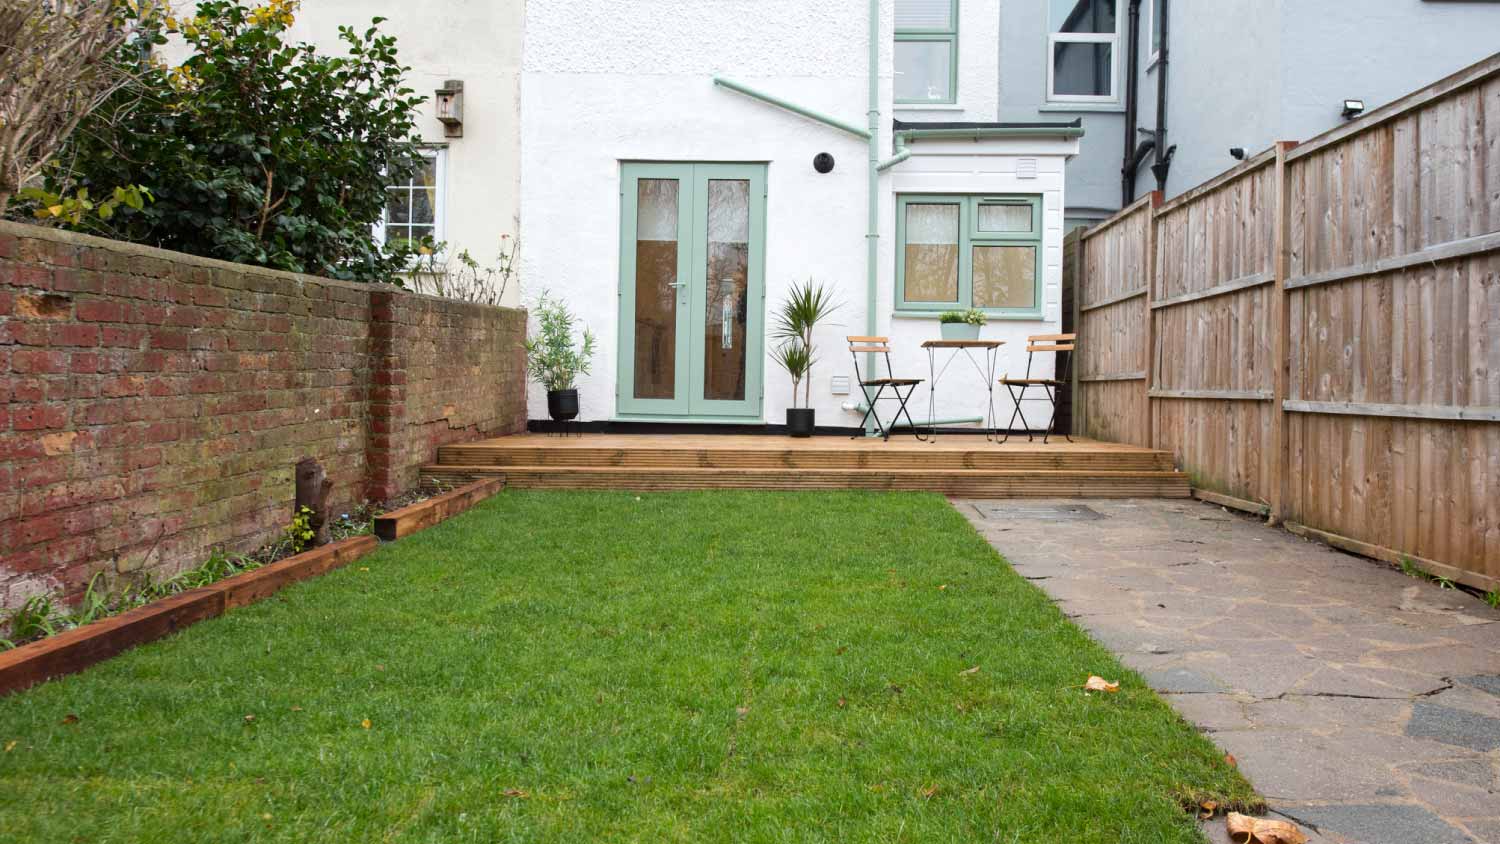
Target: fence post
x=1073 y=279
x=1150 y=269
x=1281 y=310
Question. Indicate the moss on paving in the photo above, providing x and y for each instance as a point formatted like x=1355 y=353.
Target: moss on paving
x=567 y=667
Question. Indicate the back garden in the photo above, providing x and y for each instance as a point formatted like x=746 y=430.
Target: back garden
x=568 y=666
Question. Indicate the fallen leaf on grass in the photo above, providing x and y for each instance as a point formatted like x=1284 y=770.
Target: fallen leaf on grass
x=296 y=709
x=70 y=718
x=1096 y=683
x=365 y=723
x=9 y=746
x=1231 y=761
x=364 y=568
x=930 y=791
x=519 y=794
x=842 y=703
x=1206 y=809
x=941 y=588
x=249 y=719
x=968 y=671
x=1244 y=829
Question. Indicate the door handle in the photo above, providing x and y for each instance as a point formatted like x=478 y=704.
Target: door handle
x=678 y=284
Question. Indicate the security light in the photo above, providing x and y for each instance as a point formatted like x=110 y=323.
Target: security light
x=1237 y=153
x=1353 y=108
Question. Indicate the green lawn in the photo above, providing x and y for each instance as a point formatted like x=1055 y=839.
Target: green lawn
x=572 y=667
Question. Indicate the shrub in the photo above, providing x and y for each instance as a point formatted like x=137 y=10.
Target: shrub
x=255 y=150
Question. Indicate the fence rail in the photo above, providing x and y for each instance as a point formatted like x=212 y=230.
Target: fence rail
x=1315 y=333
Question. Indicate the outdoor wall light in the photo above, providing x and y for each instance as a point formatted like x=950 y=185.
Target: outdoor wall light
x=823 y=162
x=1237 y=153
x=449 y=100
x=1353 y=108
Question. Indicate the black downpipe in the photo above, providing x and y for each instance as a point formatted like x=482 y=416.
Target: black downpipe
x=1131 y=158
x=1163 y=152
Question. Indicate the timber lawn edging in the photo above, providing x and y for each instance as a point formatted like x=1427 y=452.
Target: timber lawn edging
x=74 y=650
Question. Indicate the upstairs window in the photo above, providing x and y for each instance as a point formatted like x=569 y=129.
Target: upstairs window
x=1082 y=48
x=926 y=51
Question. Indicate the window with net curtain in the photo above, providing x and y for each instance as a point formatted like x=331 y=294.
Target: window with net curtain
x=969 y=251
x=1082 y=44
x=926 y=51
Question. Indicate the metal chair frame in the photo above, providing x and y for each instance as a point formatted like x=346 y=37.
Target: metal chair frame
x=1057 y=344
x=859 y=345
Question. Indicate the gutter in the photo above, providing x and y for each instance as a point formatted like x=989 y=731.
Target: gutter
x=981 y=132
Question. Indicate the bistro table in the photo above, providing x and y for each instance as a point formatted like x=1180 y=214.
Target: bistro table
x=986 y=371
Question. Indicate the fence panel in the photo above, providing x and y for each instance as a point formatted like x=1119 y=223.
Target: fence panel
x=1322 y=330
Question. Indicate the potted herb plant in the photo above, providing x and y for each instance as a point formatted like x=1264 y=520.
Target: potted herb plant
x=961 y=325
x=805 y=306
x=554 y=360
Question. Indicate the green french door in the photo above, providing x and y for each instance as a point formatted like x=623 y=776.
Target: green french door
x=692 y=290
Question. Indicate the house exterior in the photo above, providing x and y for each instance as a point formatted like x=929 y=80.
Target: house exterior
x=671 y=197
x=468 y=193
x=1239 y=73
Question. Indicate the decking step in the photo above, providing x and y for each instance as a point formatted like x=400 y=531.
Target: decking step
x=1004 y=483
x=980 y=458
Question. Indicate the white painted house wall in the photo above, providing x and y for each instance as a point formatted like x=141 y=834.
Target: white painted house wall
x=631 y=80
x=478 y=42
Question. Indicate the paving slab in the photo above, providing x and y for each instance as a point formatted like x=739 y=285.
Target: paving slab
x=1363 y=704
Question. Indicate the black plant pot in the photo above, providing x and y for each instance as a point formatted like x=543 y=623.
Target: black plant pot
x=800 y=421
x=562 y=405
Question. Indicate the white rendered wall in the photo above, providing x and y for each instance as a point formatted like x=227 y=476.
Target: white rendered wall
x=632 y=81
x=479 y=42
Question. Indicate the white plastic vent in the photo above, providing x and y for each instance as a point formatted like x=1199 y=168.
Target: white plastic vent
x=1026 y=168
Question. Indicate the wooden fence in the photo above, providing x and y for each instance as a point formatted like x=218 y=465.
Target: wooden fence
x=1315 y=334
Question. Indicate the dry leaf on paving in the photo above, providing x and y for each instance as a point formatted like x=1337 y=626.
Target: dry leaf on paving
x=1099 y=684
x=1206 y=809
x=1244 y=829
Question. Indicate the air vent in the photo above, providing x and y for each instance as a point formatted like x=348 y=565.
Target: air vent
x=839 y=385
x=1026 y=168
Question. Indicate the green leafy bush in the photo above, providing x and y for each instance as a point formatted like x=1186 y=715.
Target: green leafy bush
x=972 y=316
x=254 y=150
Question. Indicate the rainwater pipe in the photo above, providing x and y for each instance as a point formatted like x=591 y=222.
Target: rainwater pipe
x=862 y=406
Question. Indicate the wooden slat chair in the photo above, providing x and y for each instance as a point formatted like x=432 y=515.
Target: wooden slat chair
x=1045 y=343
x=859 y=345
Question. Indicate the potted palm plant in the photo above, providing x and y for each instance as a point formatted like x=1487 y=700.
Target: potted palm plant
x=554 y=360
x=805 y=306
x=961 y=325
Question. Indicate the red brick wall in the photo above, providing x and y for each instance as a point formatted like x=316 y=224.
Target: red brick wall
x=153 y=404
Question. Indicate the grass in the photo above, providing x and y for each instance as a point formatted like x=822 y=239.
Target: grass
x=565 y=667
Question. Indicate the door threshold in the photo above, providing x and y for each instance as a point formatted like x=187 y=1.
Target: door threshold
x=691 y=420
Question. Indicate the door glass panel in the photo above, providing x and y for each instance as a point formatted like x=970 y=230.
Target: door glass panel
x=931 y=271
x=1005 y=218
x=728 y=256
x=655 y=298
x=1005 y=276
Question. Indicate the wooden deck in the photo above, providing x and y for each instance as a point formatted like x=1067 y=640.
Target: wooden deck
x=955 y=465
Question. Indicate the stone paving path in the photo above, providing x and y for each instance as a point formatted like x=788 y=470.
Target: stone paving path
x=1362 y=703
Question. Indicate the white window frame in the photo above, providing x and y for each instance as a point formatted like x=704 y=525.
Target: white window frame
x=1154 y=48
x=439 y=155
x=1111 y=38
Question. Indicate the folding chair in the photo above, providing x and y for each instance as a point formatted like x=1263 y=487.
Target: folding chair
x=881 y=346
x=1055 y=344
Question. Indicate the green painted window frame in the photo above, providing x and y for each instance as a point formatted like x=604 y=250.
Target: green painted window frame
x=950 y=35
x=970 y=236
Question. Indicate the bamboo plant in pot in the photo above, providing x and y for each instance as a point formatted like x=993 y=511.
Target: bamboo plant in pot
x=805 y=306
x=555 y=360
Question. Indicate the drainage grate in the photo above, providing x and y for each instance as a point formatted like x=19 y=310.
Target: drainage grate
x=1038 y=512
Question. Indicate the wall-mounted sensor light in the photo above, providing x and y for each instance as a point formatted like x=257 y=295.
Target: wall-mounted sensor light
x=1237 y=153
x=1353 y=108
x=823 y=162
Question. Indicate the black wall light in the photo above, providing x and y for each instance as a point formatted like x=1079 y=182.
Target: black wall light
x=1353 y=109
x=823 y=162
